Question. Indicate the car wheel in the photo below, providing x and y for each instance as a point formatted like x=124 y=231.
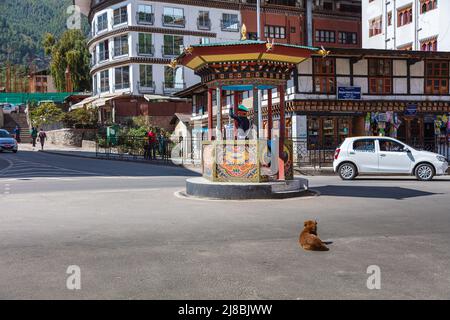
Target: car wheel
x=424 y=172
x=347 y=171
x=15 y=151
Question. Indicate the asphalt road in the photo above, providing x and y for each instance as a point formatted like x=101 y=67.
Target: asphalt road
x=133 y=238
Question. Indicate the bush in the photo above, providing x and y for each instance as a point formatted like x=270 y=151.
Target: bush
x=81 y=118
x=46 y=113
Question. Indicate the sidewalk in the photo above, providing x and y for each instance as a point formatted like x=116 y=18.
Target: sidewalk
x=91 y=154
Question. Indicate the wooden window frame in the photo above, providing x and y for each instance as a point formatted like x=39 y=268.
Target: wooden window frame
x=374 y=22
x=404 y=16
x=325 y=79
x=377 y=78
x=428 y=5
x=440 y=74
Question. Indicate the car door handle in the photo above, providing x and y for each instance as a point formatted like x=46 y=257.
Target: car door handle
x=382 y=155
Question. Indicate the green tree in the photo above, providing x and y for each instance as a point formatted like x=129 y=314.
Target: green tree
x=46 y=113
x=70 y=50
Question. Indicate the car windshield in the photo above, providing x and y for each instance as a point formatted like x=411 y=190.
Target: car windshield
x=4 y=134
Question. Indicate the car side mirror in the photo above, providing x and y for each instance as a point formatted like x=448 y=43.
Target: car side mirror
x=407 y=150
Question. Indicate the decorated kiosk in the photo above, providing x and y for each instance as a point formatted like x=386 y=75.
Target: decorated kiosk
x=252 y=161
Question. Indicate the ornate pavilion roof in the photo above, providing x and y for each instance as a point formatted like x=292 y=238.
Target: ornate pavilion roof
x=196 y=56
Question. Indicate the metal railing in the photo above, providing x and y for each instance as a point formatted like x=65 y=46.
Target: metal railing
x=145 y=50
x=170 y=87
x=203 y=24
x=133 y=148
x=173 y=21
x=233 y=26
x=145 y=18
x=146 y=87
x=171 y=51
x=121 y=86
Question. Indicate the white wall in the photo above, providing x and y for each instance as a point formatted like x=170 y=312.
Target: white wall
x=433 y=23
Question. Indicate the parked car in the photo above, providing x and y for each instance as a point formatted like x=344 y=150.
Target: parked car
x=383 y=155
x=7 y=142
x=9 y=108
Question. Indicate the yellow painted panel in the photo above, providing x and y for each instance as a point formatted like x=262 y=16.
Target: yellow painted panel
x=194 y=63
x=282 y=58
x=231 y=57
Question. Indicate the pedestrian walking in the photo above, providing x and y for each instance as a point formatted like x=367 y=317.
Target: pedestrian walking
x=34 y=135
x=17 y=133
x=42 y=138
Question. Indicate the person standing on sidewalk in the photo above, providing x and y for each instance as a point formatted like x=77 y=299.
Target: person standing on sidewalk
x=42 y=137
x=34 y=135
x=17 y=133
x=152 y=144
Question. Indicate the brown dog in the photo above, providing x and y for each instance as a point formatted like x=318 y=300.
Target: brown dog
x=308 y=238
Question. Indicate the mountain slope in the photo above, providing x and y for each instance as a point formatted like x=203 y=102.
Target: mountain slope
x=23 y=24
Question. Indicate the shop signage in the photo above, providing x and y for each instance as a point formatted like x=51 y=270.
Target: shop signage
x=411 y=110
x=349 y=93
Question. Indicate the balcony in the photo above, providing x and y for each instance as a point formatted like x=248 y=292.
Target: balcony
x=172 y=87
x=118 y=54
x=174 y=21
x=203 y=24
x=122 y=86
x=146 y=87
x=118 y=22
x=103 y=57
x=231 y=26
x=170 y=51
x=145 y=18
x=145 y=50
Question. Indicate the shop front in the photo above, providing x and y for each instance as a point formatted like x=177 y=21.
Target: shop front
x=327 y=123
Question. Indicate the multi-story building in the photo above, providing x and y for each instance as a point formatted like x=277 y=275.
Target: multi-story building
x=133 y=41
x=41 y=82
x=406 y=24
x=312 y=22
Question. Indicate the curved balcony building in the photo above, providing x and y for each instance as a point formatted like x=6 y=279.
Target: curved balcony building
x=131 y=42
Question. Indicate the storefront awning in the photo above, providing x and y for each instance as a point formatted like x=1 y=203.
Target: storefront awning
x=82 y=103
x=95 y=101
x=160 y=98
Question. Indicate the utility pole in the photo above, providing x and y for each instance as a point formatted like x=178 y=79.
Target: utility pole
x=259 y=96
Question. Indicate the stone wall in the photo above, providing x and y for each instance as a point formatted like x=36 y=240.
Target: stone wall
x=70 y=137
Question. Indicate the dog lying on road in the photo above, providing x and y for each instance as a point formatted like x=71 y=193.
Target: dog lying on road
x=308 y=238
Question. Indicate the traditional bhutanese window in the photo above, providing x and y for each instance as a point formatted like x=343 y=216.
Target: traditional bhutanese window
x=436 y=77
x=429 y=45
x=380 y=76
x=407 y=47
x=404 y=16
x=427 y=5
x=375 y=26
x=324 y=75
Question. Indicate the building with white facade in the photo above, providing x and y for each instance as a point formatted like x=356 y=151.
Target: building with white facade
x=133 y=41
x=406 y=24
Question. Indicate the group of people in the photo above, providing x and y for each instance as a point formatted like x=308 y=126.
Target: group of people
x=155 y=141
x=34 y=136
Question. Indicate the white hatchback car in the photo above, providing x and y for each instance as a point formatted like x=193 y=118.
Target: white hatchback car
x=384 y=155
